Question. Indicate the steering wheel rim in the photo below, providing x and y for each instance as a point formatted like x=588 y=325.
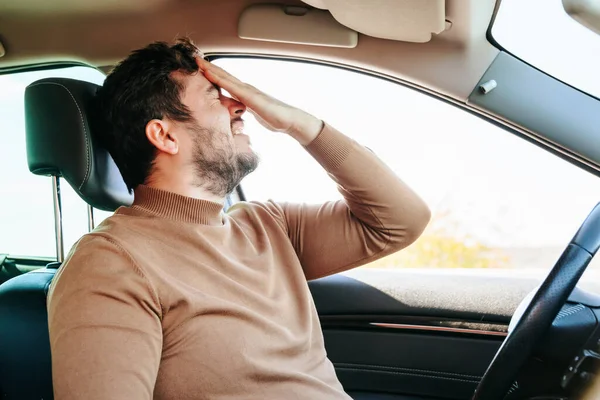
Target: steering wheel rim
x=541 y=311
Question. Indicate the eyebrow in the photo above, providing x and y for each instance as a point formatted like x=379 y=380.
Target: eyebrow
x=212 y=88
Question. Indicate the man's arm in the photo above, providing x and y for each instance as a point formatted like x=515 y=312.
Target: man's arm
x=105 y=325
x=379 y=215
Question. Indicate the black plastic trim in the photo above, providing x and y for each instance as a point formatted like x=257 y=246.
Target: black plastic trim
x=17 y=69
x=540 y=103
x=490 y=38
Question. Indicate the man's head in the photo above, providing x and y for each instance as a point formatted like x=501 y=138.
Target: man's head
x=161 y=119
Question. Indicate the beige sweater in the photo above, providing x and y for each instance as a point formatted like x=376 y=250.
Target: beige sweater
x=173 y=299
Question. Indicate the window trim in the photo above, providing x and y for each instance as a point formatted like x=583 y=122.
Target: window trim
x=40 y=261
x=490 y=38
x=52 y=65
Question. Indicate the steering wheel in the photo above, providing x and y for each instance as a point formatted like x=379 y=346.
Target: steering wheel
x=541 y=311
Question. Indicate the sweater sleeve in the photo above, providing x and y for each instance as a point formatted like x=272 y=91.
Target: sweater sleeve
x=379 y=213
x=105 y=325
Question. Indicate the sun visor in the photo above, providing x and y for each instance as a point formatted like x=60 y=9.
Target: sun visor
x=294 y=24
x=402 y=20
x=586 y=12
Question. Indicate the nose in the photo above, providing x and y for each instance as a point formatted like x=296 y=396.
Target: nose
x=236 y=109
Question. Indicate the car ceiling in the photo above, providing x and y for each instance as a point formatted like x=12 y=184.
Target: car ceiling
x=101 y=32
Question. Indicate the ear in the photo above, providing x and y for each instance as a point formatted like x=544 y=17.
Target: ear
x=158 y=133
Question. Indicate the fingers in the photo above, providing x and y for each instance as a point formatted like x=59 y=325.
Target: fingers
x=218 y=75
x=247 y=94
x=222 y=79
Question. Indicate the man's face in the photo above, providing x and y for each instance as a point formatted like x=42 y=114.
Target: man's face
x=219 y=150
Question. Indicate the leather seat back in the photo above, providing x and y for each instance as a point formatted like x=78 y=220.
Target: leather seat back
x=61 y=143
x=25 y=364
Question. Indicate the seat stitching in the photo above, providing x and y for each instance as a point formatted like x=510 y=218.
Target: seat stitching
x=409 y=369
x=85 y=134
x=410 y=374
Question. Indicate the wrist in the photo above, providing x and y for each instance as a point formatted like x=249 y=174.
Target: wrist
x=307 y=129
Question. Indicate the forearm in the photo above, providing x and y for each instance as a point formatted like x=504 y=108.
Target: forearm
x=374 y=194
x=379 y=215
x=306 y=128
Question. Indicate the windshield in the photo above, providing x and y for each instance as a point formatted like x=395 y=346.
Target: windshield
x=542 y=34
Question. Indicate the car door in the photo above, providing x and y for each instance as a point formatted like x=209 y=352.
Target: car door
x=427 y=321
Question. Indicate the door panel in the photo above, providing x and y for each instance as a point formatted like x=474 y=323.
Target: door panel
x=473 y=295
x=406 y=333
x=420 y=364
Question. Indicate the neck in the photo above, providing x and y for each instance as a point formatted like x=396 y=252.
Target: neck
x=182 y=187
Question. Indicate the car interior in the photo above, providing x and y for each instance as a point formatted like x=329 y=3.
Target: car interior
x=403 y=334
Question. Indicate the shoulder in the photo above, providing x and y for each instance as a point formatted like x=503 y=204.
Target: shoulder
x=96 y=244
x=97 y=256
x=258 y=212
x=105 y=241
x=93 y=254
x=98 y=264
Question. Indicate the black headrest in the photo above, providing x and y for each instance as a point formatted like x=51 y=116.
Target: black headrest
x=61 y=143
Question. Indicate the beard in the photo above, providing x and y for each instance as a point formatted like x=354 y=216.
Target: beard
x=218 y=165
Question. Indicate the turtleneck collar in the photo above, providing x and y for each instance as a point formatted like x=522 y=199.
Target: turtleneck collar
x=177 y=207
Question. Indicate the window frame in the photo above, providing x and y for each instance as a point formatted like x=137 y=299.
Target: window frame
x=502 y=123
x=52 y=65
x=496 y=121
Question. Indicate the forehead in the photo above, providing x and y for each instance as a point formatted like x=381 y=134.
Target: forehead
x=194 y=84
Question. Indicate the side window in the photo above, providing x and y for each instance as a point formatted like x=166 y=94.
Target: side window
x=26 y=208
x=498 y=201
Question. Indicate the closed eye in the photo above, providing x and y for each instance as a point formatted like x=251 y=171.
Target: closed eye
x=213 y=90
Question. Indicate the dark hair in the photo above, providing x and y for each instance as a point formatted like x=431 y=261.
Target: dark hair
x=141 y=88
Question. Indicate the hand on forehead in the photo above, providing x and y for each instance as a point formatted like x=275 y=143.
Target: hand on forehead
x=221 y=78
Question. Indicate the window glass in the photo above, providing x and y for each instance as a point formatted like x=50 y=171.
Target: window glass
x=498 y=201
x=26 y=208
x=541 y=33
x=100 y=215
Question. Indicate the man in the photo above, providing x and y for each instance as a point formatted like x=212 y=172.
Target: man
x=172 y=298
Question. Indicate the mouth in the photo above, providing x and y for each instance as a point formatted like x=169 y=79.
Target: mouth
x=237 y=128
